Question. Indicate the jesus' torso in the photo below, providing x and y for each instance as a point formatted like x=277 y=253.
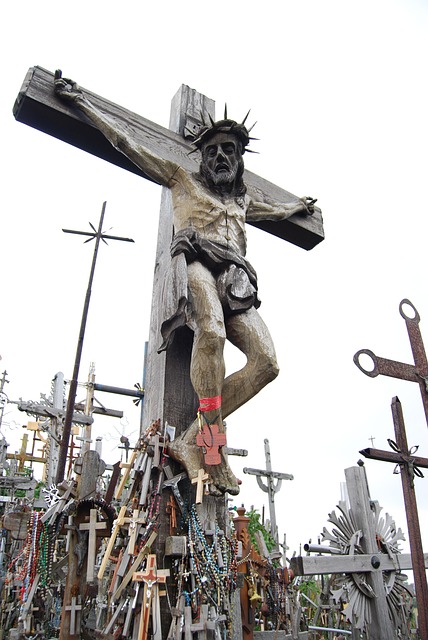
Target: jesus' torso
x=219 y=219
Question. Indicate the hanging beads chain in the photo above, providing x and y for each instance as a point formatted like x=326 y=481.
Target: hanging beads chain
x=215 y=581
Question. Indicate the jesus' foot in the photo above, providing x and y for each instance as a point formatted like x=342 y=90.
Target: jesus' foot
x=185 y=451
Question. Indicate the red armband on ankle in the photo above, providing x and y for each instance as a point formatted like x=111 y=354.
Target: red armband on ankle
x=209 y=404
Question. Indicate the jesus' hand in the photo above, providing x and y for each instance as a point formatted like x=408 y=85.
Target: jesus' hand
x=66 y=88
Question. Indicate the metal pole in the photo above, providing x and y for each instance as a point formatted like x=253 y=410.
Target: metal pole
x=62 y=459
x=415 y=540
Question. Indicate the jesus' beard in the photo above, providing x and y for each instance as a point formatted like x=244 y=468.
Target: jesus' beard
x=226 y=182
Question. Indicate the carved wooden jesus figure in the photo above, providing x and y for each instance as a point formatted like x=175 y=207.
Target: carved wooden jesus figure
x=212 y=288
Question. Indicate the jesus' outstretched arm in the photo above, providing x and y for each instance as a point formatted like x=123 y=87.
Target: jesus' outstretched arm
x=157 y=169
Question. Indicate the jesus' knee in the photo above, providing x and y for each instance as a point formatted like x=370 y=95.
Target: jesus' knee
x=266 y=369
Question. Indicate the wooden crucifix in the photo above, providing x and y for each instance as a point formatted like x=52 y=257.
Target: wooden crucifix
x=174 y=161
x=271 y=487
x=88 y=121
x=151 y=576
x=409 y=466
x=417 y=372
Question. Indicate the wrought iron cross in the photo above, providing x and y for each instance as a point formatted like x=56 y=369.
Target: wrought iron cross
x=409 y=465
x=96 y=235
x=417 y=372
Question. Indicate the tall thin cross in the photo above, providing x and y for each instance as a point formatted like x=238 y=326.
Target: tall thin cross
x=417 y=372
x=97 y=235
x=3 y=396
x=271 y=487
x=409 y=466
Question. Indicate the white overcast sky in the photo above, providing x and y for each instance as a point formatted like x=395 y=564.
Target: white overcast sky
x=339 y=92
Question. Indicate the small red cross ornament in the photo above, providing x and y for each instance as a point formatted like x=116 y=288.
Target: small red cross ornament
x=211 y=440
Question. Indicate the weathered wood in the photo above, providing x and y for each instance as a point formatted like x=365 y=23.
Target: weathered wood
x=356 y=483
x=360 y=563
x=38 y=107
x=92 y=526
x=120 y=521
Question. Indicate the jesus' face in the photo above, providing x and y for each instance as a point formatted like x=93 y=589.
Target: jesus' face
x=221 y=156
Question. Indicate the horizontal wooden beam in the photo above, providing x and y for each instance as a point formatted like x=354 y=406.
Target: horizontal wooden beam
x=38 y=106
x=360 y=563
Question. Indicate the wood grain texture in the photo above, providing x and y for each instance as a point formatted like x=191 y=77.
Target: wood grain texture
x=38 y=106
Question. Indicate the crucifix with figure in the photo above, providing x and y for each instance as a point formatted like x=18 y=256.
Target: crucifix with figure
x=205 y=289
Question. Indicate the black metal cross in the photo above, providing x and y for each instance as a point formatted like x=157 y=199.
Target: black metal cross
x=409 y=466
x=96 y=235
x=414 y=373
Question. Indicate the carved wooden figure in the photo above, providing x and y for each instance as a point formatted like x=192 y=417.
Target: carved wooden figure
x=211 y=201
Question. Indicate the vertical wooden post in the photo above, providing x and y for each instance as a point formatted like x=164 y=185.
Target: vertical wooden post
x=356 y=483
x=169 y=394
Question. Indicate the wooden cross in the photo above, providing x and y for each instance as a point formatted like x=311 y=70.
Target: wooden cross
x=200 y=480
x=409 y=465
x=118 y=523
x=38 y=106
x=271 y=488
x=134 y=526
x=151 y=577
x=169 y=393
x=210 y=439
x=23 y=456
x=417 y=372
x=370 y=562
x=74 y=609
x=92 y=526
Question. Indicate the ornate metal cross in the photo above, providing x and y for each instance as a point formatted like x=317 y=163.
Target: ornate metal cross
x=417 y=372
x=409 y=465
x=98 y=235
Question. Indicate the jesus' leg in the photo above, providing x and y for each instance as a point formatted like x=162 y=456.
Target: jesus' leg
x=207 y=372
x=248 y=332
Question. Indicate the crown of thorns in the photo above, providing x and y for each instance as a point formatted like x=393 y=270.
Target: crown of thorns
x=231 y=127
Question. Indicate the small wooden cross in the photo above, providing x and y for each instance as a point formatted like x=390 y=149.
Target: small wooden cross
x=74 y=609
x=211 y=440
x=134 y=525
x=92 y=526
x=200 y=480
x=151 y=577
x=119 y=522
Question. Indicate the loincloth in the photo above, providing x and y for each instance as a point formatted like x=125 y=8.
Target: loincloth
x=235 y=277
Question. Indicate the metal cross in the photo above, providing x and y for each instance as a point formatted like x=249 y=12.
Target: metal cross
x=96 y=235
x=414 y=373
